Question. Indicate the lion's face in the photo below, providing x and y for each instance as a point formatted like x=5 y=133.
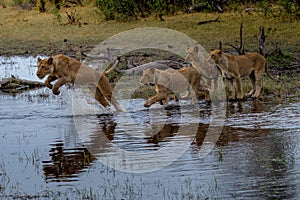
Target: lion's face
x=148 y=77
x=45 y=67
x=216 y=55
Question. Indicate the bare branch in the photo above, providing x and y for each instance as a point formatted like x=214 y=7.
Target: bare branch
x=261 y=41
x=209 y=21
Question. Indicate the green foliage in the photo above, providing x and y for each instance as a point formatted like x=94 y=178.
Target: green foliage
x=266 y=8
x=280 y=8
x=57 y=16
x=291 y=9
x=125 y=9
x=120 y=9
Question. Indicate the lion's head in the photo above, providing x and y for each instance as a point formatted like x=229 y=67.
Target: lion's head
x=148 y=77
x=45 y=67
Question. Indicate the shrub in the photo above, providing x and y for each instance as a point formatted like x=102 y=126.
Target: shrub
x=124 y=9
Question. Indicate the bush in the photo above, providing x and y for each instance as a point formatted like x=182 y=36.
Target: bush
x=125 y=9
x=119 y=9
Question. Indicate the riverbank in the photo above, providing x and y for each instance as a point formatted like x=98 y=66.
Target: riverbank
x=30 y=33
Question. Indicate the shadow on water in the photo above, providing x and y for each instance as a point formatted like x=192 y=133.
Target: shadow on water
x=66 y=163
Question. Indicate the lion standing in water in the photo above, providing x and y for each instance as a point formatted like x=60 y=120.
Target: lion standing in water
x=234 y=67
x=66 y=70
x=183 y=82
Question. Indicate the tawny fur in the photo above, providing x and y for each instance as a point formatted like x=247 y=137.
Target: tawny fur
x=183 y=82
x=236 y=67
x=68 y=70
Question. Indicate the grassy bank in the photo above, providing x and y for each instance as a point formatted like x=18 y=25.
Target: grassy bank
x=31 y=32
x=28 y=32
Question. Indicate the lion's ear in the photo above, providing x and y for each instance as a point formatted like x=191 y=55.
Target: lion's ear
x=50 y=61
x=221 y=51
x=39 y=60
x=212 y=49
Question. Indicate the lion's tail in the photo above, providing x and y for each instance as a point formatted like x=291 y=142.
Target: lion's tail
x=268 y=73
x=112 y=67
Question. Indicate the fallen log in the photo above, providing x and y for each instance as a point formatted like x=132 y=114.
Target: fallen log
x=160 y=64
x=209 y=21
x=16 y=85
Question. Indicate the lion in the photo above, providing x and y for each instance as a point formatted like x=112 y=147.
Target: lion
x=66 y=70
x=182 y=82
x=201 y=61
x=234 y=67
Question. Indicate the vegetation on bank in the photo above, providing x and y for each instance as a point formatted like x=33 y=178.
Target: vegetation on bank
x=126 y=9
x=32 y=32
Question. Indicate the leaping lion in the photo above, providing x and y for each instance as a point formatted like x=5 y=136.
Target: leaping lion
x=66 y=70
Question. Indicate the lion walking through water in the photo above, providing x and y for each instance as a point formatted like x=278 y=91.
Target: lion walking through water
x=68 y=70
x=183 y=82
x=235 y=67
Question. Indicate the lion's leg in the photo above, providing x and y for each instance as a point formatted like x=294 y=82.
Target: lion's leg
x=116 y=104
x=159 y=97
x=239 y=88
x=61 y=81
x=99 y=97
x=258 y=85
x=105 y=90
x=194 y=92
x=171 y=96
x=49 y=79
x=252 y=79
x=231 y=88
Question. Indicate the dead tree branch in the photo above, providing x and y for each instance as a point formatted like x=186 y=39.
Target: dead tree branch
x=16 y=85
x=262 y=40
x=209 y=21
x=239 y=49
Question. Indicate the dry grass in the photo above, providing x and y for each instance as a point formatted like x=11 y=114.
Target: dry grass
x=31 y=32
x=21 y=29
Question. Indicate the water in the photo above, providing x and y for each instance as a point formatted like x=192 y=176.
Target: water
x=46 y=151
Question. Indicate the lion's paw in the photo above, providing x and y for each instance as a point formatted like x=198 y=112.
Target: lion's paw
x=57 y=92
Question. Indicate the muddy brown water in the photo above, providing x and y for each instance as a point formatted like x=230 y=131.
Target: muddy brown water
x=43 y=156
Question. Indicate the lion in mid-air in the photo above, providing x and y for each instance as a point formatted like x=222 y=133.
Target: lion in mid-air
x=182 y=82
x=66 y=70
x=235 y=67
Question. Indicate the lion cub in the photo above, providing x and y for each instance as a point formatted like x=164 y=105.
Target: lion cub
x=182 y=82
x=66 y=70
x=235 y=67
